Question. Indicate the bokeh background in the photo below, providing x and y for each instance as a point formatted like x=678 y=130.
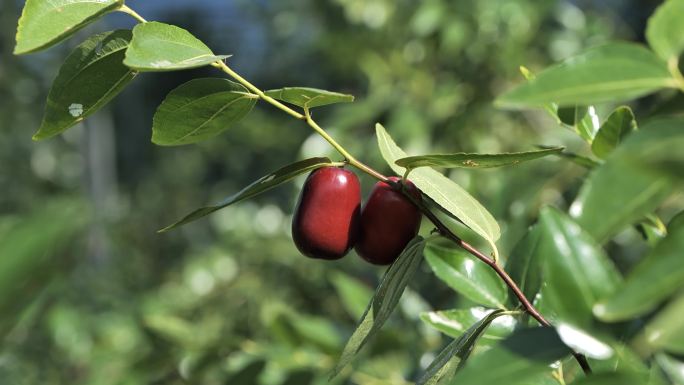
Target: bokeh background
x=91 y=294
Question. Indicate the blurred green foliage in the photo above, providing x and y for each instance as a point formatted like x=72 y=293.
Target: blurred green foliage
x=229 y=300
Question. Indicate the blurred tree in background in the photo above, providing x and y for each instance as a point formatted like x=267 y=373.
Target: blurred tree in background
x=229 y=300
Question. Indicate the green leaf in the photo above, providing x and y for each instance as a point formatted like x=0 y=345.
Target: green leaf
x=524 y=266
x=308 y=97
x=200 y=109
x=454 y=355
x=577 y=269
x=674 y=368
x=572 y=115
x=665 y=30
x=90 y=77
x=611 y=378
x=457 y=321
x=259 y=186
x=608 y=73
x=468 y=276
x=445 y=192
x=654 y=279
x=614 y=130
x=163 y=47
x=584 y=343
x=45 y=23
x=465 y=160
x=579 y=160
x=524 y=355
x=665 y=331
x=384 y=301
x=30 y=254
x=353 y=293
x=632 y=182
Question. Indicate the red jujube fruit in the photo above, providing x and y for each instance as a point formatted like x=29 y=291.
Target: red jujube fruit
x=389 y=220
x=326 y=220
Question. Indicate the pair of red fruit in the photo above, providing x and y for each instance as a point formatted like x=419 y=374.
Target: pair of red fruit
x=329 y=221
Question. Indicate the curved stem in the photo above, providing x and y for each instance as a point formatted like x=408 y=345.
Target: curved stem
x=125 y=9
x=441 y=227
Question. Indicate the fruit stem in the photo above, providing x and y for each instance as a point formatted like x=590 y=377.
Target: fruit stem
x=441 y=227
x=125 y=9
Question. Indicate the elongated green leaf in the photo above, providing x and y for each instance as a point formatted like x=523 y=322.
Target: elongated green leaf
x=470 y=277
x=578 y=269
x=550 y=108
x=259 y=186
x=608 y=73
x=164 y=47
x=200 y=109
x=353 y=293
x=674 y=368
x=524 y=265
x=614 y=130
x=612 y=378
x=584 y=343
x=665 y=331
x=445 y=192
x=665 y=30
x=577 y=159
x=308 y=97
x=456 y=321
x=457 y=352
x=384 y=301
x=465 y=160
x=572 y=115
x=524 y=355
x=632 y=182
x=29 y=254
x=45 y=23
x=654 y=279
x=90 y=77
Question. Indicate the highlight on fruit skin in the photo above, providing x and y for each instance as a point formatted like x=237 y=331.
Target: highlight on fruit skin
x=389 y=220
x=325 y=224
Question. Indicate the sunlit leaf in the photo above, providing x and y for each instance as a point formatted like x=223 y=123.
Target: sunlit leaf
x=259 y=186
x=577 y=269
x=654 y=279
x=608 y=73
x=308 y=97
x=468 y=276
x=524 y=355
x=673 y=367
x=163 y=47
x=200 y=109
x=633 y=181
x=466 y=160
x=456 y=321
x=614 y=130
x=384 y=301
x=45 y=23
x=612 y=378
x=445 y=192
x=665 y=30
x=583 y=342
x=452 y=357
x=90 y=77
x=665 y=331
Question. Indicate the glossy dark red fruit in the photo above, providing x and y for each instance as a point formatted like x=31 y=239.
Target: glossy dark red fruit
x=389 y=220
x=326 y=219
